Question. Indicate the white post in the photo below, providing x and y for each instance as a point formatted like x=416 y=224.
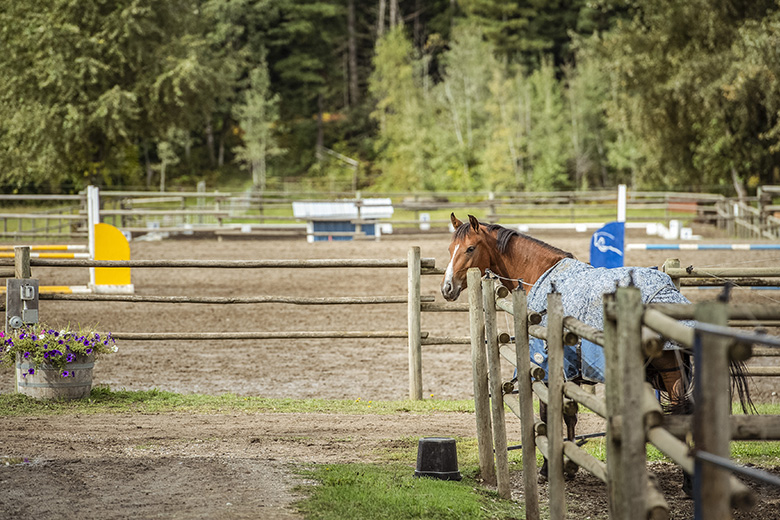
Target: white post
x=621 y=208
x=93 y=218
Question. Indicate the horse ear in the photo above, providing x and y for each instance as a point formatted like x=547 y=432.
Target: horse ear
x=455 y=222
x=474 y=223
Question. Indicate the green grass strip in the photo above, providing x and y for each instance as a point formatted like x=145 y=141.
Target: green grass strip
x=359 y=491
x=104 y=400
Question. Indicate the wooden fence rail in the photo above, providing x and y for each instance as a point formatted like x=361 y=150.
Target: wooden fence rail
x=632 y=412
x=136 y=210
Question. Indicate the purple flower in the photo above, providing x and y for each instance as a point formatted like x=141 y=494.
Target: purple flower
x=71 y=358
x=31 y=371
x=26 y=355
x=89 y=351
x=65 y=373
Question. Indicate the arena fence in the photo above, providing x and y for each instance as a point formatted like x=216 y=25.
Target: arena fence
x=633 y=414
x=417 y=304
x=23 y=263
x=224 y=213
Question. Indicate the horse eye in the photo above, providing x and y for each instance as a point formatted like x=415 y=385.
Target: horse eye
x=471 y=249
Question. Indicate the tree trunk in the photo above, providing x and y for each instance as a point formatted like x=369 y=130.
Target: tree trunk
x=354 y=92
x=148 y=165
x=394 y=18
x=320 y=126
x=739 y=186
x=380 y=22
x=417 y=26
x=210 y=143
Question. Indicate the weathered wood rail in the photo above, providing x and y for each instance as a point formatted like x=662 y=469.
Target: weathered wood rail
x=632 y=413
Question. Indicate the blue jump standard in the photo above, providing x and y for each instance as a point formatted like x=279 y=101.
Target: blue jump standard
x=704 y=247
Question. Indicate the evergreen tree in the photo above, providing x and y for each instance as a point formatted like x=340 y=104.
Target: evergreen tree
x=257 y=116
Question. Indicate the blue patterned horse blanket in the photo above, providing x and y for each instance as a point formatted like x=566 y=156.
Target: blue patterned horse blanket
x=582 y=288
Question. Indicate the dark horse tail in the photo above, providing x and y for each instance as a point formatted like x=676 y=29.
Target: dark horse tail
x=739 y=384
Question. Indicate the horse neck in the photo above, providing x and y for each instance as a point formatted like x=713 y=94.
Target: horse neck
x=525 y=259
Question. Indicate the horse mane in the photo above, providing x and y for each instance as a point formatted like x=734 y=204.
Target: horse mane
x=505 y=235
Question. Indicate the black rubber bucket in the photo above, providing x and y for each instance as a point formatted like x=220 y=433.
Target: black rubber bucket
x=437 y=458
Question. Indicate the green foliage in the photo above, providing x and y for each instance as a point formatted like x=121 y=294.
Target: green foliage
x=694 y=82
x=473 y=95
x=257 y=116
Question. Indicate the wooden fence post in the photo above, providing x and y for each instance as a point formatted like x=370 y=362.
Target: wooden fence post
x=711 y=429
x=557 y=488
x=480 y=374
x=673 y=263
x=415 y=343
x=634 y=479
x=496 y=390
x=525 y=395
x=613 y=382
x=22 y=262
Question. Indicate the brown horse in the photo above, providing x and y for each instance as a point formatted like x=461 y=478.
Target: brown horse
x=516 y=258
x=513 y=257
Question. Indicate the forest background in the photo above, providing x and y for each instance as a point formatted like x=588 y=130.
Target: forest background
x=390 y=95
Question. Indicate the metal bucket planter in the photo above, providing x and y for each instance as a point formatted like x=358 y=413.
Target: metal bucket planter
x=47 y=383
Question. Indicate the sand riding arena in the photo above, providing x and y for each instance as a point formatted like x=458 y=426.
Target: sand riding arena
x=238 y=466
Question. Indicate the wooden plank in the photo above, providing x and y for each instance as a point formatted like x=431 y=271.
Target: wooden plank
x=555 y=374
x=742 y=427
x=340 y=334
x=711 y=415
x=487 y=468
x=22 y=262
x=633 y=461
x=585 y=460
x=526 y=411
x=413 y=313
x=138 y=298
x=613 y=397
x=741 y=311
x=597 y=405
x=496 y=391
x=668 y=327
x=229 y=264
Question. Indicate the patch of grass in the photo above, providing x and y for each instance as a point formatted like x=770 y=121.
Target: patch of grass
x=359 y=491
x=104 y=400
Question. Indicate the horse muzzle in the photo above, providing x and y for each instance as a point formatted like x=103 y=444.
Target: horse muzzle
x=450 y=291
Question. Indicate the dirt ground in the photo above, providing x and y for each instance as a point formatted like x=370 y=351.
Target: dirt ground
x=136 y=465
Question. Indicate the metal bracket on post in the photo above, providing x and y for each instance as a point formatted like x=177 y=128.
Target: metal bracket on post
x=21 y=292
x=21 y=302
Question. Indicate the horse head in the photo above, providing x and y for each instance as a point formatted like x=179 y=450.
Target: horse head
x=470 y=247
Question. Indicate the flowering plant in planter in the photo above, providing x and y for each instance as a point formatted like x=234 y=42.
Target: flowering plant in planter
x=38 y=345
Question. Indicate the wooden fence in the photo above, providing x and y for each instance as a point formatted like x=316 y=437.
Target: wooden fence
x=21 y=267
x=226 y=213
x=417 y=304
x=632 y=413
